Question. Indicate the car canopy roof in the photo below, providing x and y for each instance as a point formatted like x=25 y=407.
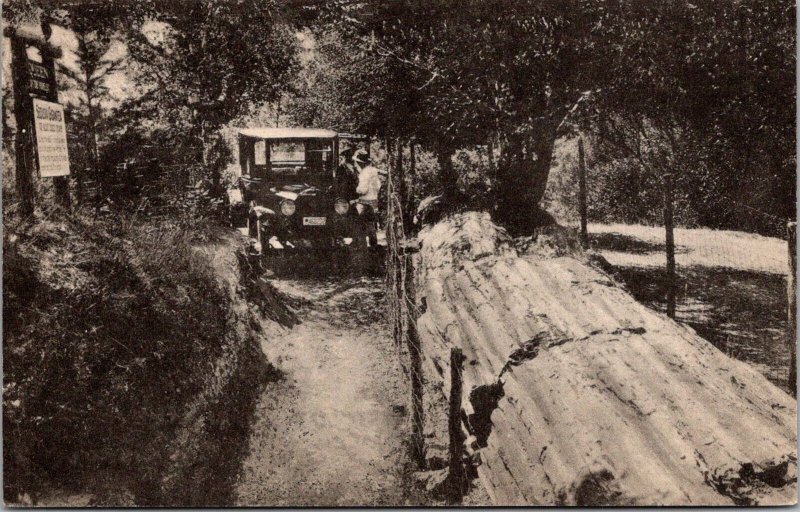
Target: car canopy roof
x=287 y=133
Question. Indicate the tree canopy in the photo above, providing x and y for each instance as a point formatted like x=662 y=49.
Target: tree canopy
x=709 y=84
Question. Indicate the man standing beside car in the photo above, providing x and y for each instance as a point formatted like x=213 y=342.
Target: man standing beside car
x=346 y=177
x=369 y=186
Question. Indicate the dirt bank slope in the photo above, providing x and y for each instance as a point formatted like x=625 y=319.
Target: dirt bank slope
x=131 y=364
x=577 y=394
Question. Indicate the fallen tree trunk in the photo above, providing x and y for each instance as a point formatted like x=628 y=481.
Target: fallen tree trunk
x=574 y=393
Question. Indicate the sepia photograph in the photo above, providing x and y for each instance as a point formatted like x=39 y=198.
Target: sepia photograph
x=399 y=253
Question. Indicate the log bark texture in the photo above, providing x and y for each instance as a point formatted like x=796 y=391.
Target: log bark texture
x=577 y=394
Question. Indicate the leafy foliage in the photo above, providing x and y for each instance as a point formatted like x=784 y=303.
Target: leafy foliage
x=201 y=64
x=109 y=330
x=703 y=90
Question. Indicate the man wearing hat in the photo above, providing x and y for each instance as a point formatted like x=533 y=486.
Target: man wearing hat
x=346 y=176
x=370 y=180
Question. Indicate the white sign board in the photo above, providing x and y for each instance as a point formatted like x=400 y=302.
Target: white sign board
x=51 y=138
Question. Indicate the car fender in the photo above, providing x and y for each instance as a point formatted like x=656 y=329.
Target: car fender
x=262 y=212
x=285 y=194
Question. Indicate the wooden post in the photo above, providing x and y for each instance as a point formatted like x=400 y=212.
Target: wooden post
x=582 y=195
x=670 y=243
x=389 y=153
x=415 y=356
x=792 y=309
x=457 y=476
x=411 y=208
x=23 y=115
x=60 y=183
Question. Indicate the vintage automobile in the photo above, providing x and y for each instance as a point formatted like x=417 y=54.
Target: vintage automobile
x=286 y=195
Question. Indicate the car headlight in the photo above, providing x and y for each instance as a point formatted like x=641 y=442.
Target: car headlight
x=341 y=206
x=288 y=207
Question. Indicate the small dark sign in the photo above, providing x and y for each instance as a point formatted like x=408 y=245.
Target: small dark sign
x=38 y=79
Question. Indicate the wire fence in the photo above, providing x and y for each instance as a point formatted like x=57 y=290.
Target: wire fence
x=149 y=187
x=403 y=310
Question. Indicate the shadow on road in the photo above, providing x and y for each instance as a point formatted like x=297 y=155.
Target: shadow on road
x=625 y=243
x=323 y=265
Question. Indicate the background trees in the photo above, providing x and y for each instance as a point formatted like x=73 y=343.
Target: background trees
x=701 y=89
x=200 y=64
x=98 y=57
x=706 y=91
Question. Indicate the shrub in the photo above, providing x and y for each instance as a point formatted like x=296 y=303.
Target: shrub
x=109 y=328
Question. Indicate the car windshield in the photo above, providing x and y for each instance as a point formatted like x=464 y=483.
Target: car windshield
x=303 y=159
x=288 y=152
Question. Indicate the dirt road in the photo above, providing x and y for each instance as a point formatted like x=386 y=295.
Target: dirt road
x=331 y=433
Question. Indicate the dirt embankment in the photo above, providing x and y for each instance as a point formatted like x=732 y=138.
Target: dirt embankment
x=132 y=363
x=577 y=394
x=205 y=456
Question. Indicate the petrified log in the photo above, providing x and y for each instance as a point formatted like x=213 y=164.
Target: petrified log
x=574 y=393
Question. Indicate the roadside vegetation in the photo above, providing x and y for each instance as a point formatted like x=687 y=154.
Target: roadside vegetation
x=112 y=329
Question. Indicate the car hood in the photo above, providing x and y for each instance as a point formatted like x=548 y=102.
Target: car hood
x=293 y=191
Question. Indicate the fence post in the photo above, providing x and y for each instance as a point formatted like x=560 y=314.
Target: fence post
x=457 y=476
x=582 y=194
x=670 y=243
x=415 y=355
x=791 y=229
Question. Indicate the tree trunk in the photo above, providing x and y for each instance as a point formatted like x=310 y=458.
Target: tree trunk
x=23 y=142
x=448 y=178
x=93 y=149
x=582 y=192
x=410 y=206
x=669 y=238
x=401 y=179
x=522 y=177
x=388 y=144
x=212 y=167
